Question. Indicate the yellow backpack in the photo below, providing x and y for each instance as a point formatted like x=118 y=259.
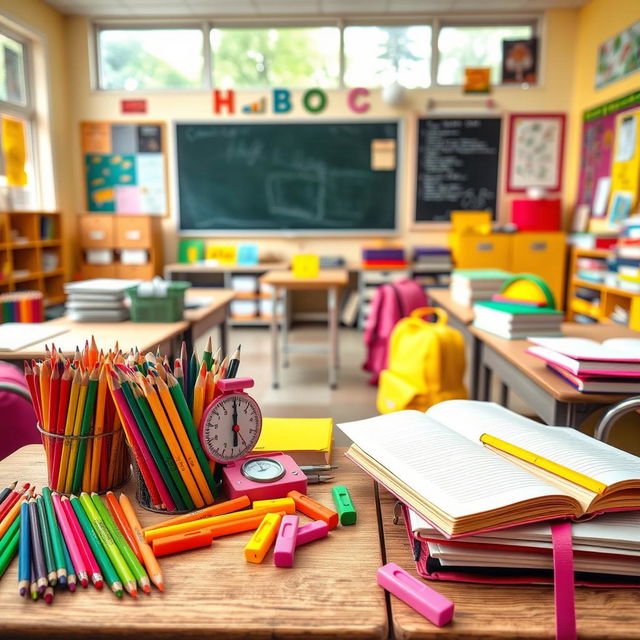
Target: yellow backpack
x=425 y=366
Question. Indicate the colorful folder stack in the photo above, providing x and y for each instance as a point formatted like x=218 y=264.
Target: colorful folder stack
x=383 y=258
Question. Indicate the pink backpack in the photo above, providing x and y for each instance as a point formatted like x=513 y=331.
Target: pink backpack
x=18 y=426
x=391 y=302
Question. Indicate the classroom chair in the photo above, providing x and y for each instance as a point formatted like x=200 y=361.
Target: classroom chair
x=17 y=417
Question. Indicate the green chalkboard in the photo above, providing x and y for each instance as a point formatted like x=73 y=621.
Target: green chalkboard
x=286 y=176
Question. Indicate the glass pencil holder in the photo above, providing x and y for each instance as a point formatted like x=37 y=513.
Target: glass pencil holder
x=93 y=463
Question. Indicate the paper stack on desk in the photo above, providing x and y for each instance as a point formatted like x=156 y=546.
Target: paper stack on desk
x=98 y=300
x=470 y=285
x=512 y=320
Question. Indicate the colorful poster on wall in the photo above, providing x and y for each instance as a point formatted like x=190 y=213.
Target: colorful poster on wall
x=520 y=61
x=618 y=56
x=14 y=149
x=625 y=173
x=477 y=80
x=124 y=167
x=536 y=142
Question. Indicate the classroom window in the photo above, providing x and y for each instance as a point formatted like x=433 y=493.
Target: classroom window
x=461 y=46
x=280 y=56
x=143 y=59
x=13 y=85
x=375 y=56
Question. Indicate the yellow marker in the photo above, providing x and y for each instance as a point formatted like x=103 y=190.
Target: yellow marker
x=263 y=538
x=564 y=472
x=278 y=504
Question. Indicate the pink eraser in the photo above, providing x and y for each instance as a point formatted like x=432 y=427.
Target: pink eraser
x=425 y=600
x=312 y=531
x=286 y=542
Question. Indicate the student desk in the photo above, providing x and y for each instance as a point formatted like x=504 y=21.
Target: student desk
x=460 y=318
x=553 y=399
x=330 y=593
x=214 y=312
x=329 y=280
x=503 y=612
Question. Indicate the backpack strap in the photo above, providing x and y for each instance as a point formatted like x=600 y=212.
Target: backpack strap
x=12 y=387
x=564 y=581
x=401 y=309
x=442 y=317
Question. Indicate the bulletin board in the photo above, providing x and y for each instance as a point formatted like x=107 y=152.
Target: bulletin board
x=598 y=150
x=124 y=167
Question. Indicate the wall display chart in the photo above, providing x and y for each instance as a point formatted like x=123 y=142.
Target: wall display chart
x=125 y=167
x=457 y=167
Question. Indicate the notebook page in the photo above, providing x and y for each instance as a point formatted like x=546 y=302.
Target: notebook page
x=584 y=349
x=563 y=445
x=455 y=475
x=627 y=346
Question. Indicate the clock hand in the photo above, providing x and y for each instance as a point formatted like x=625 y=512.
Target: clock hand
x=234 y=417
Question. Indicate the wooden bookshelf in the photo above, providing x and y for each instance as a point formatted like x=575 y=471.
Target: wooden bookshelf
x=31 y=256
x=606 y=297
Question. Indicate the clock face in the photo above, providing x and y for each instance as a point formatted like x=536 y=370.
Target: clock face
x=262 y=470
x=231 y=427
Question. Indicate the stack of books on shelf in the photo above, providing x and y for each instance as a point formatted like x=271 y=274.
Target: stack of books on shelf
x=628 y=255
x=383 y=258
x=514 y=320
x=432 y=258
x=98 y=300
x=487 y=494
x=612 y=366
x=470 y=285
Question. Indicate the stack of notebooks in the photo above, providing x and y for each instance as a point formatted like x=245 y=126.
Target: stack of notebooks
x=512 y=320
x=628 y=255
x=612 y=366
x=99 y=300
x=470 y=285
x=433 y=258
x=383 y=258
x=482 y=488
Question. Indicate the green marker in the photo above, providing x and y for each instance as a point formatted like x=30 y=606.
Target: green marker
x=344 y=506
x=56 y=536
x=127 y=552
x=123 y=571
x=106 y=566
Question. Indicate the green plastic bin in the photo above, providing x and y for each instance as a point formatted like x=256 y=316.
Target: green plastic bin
x=153 y=309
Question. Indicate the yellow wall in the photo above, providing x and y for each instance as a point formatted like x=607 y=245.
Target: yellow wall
x=554 y=94
x=49 y=28
x=597 y=21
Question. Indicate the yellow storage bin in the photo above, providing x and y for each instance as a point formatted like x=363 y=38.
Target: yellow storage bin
x=481 y=251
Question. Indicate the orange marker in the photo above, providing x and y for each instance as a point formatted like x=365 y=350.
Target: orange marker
x=314 y=509
x=276 y=504
x=263 y=538
x=182 y=542
x=214 y=510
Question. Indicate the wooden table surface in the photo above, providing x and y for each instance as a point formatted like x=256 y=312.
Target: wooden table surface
x=442 y=298
x=331 y=592
x=217 y=298
x=514 y=352
x=203 y=267
x=494 y=612
x=325 y=278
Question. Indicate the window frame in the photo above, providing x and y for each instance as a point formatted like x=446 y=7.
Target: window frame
x=436 y=22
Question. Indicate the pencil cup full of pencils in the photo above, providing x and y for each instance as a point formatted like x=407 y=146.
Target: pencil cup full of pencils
x=93 y=463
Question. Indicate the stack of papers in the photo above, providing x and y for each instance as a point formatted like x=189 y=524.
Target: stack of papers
x=98 y=300
x=512 y=320
x=470 y=285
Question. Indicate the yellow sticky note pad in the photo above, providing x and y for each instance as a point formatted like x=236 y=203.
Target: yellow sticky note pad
x=263 y=538
x=306 y=265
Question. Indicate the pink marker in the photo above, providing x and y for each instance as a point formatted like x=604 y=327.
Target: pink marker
x=426 y=601
x=285 y=547
x=312 y=531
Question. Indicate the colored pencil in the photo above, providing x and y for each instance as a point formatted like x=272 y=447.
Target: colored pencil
x=93 y=353
x=79 y=565
x=85 y=429
x=37 y=551
x=11 y=499
x=44 y=380
x=4 y=541
x=68 y=430
x=71 y=572
x=49 y=561
x=129 y=556
x=54 y=399
x=194 y=367
x=13 y=513
x=63 y=406
x=111 y=548
x=207 y=354
x=77 y=426
x=30 y=378
x=56 y=536
x=96 y=455
x=106 y=566
x=184 y=363
x=222 y=371
x=123 y=524
x=198 y=394
x=24 y=557
x=33 y=582
x=234 y=363
x=9 y=551
x=150 y=561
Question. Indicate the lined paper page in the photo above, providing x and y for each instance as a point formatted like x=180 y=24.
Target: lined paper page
x=451 y=472
x=563 y=445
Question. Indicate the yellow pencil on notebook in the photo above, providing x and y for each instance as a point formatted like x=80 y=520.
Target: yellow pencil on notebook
x=544 y=463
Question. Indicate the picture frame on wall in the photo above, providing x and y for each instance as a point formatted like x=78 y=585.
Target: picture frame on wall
x=536 y=151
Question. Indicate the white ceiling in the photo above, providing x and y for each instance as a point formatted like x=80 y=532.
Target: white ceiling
x=212 y=8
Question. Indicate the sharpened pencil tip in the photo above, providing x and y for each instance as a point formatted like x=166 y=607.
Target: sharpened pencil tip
x=160 y=587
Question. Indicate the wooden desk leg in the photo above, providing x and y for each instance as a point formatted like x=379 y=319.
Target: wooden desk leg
x=332 y=304
x=476 y=359
x=285 y=328
x=275 y=353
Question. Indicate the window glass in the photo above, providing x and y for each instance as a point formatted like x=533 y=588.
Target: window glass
x=378 y=55
x=282 y=56
x=474 y=46
x=135 y=59
x=12 y=71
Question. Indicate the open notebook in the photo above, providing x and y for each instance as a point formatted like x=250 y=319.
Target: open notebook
x=437 y=464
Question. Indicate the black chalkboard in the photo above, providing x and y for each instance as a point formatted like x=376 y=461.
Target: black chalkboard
x=290 y=176
x=457 y=167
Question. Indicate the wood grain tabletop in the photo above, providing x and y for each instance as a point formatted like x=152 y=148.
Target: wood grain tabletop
x=331 y=592
x=442 y=297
